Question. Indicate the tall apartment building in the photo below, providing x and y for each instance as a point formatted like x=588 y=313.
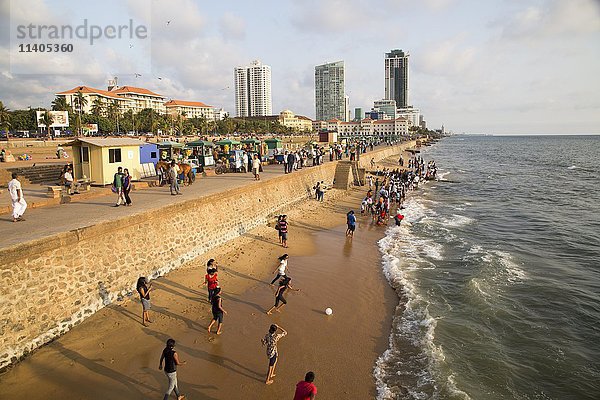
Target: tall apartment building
x=396 y=77
x=330 y=95
x=253 y=90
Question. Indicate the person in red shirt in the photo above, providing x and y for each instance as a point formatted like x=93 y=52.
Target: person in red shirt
x=306 y=389
x=212 y=281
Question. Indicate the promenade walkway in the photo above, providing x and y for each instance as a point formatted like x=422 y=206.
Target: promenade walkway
x=47 y=221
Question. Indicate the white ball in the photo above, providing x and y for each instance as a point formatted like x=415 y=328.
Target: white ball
x=328 y=311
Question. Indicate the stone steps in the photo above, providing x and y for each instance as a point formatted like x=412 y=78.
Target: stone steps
x=40 y=174
x=342 y=175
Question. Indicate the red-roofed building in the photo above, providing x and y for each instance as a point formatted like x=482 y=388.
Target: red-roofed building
x=91 y=96
x=142 y=98
x=190 y=109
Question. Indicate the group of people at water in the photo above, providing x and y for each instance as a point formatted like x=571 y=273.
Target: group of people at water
x=391 y=189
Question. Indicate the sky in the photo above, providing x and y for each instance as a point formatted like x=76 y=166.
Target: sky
x=501 y=67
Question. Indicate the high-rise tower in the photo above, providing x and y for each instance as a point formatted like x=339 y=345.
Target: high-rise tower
x=329 y=92
x=253 y=90
x=396 y=77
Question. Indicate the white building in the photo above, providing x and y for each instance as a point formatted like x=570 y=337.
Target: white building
x=93 y=96
x=220 y=114
x=412 y=114
x=298 y=123
x=383 y=129
x=330 y=95
x=253 y=90
x=141 y=98
x=190 y=109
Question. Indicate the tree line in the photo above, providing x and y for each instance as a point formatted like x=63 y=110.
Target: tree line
x=110 y=120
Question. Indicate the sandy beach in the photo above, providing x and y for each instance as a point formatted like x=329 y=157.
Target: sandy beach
x=111 y=355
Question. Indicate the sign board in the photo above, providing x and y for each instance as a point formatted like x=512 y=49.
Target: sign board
x=89 y=129
x=60 y=119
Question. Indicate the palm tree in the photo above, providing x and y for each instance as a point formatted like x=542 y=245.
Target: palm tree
x=179 y=124
x=203 y=125
x=47 y=119
x=5 y=120
x=80 y=103
x=60 y=104
x=97 y=108
x=113 y=112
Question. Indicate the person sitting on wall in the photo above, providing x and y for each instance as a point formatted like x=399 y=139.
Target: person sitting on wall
x=71 y=183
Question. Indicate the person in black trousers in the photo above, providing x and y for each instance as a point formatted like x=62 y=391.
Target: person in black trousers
x=171 y=359
x=126 y=186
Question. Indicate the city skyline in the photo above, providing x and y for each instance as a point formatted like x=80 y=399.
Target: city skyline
x=497 y=67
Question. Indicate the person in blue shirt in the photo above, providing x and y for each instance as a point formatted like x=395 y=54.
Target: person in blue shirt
x=351 y=221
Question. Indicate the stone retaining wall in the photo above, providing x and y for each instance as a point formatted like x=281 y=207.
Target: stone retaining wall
x=49 y=285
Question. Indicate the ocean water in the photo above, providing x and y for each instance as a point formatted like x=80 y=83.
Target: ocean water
x=498 y=274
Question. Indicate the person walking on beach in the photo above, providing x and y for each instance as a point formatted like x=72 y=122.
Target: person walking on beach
x=306 y=389
x=212 y=264
x=143 y=288
x=283 y=230
x=118 y=185
x=256 y=167
x=19 y=205
x=351 y=221
x=278 y=227
x=211 y=280
x=171 y=359
x=319 y=191
x=270 y=340
x=281 y=269
x=284 y=284
x=217 y=310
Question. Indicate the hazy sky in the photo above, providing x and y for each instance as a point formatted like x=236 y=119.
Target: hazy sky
x=514 y=66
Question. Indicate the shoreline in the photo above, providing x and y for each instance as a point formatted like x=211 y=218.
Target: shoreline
x=123 y=366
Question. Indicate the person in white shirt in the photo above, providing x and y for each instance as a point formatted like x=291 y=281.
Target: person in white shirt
x=281 y=269
x=256 y=167
x=18 y=201
x=70 y=183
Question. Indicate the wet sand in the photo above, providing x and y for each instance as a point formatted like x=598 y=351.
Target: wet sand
x=112 y=356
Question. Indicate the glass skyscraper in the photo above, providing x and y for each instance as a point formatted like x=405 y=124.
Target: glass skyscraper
x=396 y=77
x=329 y=92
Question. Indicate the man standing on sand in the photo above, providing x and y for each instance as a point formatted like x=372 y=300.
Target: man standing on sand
x=18 y=201
x=270 y=340
x=306 y=389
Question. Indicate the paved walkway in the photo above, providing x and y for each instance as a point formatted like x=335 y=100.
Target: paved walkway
x=47 y=221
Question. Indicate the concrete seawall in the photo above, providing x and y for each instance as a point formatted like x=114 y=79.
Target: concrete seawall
x=49 y=285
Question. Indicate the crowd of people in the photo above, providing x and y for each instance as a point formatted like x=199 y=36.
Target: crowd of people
x=388 y=188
